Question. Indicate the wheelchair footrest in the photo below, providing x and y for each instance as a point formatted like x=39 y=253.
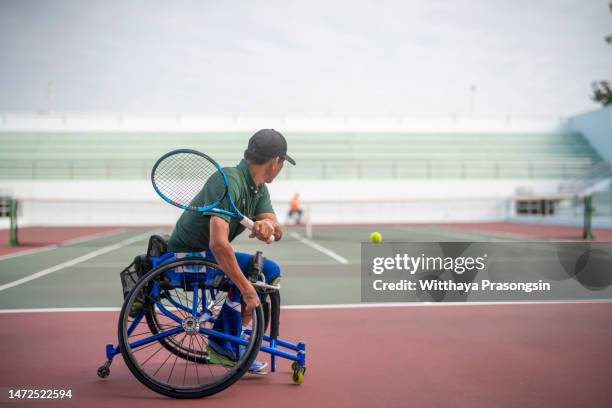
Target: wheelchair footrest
x=274 y=349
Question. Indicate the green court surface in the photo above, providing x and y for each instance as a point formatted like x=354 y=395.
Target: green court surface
x=321 y=270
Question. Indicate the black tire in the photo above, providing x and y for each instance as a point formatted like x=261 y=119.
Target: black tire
x=103 y=371
x=224 y=380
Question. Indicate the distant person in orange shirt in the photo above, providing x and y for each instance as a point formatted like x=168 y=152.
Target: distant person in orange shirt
x=294 y=209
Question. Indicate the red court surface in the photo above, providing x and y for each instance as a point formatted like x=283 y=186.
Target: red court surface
x=37 y=237
x=546 y=355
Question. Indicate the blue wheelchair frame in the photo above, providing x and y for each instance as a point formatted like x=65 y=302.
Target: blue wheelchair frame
x=180 y=279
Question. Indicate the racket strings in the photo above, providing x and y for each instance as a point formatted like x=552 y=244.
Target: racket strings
x=181 y=177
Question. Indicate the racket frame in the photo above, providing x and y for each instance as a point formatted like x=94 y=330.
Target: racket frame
x=234 y=212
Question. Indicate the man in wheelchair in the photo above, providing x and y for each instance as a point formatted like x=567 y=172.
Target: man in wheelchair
x=210 y=234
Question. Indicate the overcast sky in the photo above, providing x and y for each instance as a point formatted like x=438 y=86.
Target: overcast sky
x=307 y=57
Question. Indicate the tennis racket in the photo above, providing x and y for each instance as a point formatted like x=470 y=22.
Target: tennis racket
x=180 y=176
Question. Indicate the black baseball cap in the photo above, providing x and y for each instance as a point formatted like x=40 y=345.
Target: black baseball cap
x=267 y=144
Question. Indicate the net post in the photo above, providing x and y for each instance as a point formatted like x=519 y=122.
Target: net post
x=13 y=206
x=308 y=222
x=587 y=230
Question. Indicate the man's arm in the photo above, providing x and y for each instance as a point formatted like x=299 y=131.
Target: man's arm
x=226 y=258
x=271 y=220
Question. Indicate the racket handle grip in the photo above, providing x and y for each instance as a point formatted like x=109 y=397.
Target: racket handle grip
x=248 y=223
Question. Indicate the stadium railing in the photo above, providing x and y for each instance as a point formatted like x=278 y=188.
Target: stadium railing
x=314 y=169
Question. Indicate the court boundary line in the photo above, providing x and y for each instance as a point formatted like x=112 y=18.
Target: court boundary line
x=327 y=306
x=63 y=243
x=102 y=265
x=319 y=248
x=442 y=230
x=439 y=304
x=75 y=261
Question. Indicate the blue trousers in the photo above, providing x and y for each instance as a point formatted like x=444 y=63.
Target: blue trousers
x=230 y=317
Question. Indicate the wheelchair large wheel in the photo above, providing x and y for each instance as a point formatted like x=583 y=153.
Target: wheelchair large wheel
x=171 y=358
x=185 y=351
x=216 y=302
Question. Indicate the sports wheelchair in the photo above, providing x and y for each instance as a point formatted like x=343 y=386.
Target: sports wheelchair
x=167 y=320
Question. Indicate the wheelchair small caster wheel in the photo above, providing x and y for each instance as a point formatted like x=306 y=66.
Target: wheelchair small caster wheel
x=104 y=370
x=298 y=373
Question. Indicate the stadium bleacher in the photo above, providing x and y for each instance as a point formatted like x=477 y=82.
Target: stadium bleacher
x=322 y=155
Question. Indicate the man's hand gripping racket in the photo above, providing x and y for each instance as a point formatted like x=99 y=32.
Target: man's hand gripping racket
x=179 y=177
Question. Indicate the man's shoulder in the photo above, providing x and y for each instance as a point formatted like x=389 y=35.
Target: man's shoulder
x=233 y=178
x=232 y=172
x=230 y=169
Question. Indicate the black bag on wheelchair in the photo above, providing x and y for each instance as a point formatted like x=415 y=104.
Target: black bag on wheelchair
x=133 y=272
x=158 y=245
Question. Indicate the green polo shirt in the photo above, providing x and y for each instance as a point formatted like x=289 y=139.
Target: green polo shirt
x=192 y=231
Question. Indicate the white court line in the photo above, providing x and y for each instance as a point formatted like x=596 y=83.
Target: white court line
x=104 y=265
x=319 y=248
x=332 y=306
x=438 y=304
x=312 y=263
x=62 y=310
x=63 y=243
x=76 y=261
x=473 y=236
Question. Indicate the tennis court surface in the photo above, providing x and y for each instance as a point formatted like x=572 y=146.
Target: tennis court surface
x=60 y=293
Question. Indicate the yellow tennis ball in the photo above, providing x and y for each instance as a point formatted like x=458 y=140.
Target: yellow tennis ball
x=376 y=238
